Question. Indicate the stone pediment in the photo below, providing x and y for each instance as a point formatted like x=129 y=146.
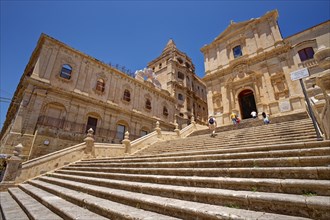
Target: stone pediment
x=232 y=28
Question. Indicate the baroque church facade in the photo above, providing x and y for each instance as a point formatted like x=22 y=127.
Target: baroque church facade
x=63 y=92
x=248 y=67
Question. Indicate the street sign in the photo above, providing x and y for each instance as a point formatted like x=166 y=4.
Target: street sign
x=299 y=74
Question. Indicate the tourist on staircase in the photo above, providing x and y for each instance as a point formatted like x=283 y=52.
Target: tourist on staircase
x=266 y=118
x=212 y=125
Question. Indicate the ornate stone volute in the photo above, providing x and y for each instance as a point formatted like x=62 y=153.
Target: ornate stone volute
x=322 y=56
x=127 y=143
x=90 y=148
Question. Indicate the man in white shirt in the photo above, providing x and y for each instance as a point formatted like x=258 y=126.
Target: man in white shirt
x=254 y=114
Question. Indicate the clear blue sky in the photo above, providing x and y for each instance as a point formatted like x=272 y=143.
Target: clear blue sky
x=132 y=33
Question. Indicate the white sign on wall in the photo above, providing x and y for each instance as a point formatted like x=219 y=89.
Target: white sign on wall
x=299 y=74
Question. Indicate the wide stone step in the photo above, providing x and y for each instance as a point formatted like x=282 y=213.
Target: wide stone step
x=255 y=162
x=319 y=173
x=73 y=200
x=290 y=186
x=10 y=208
x=209 y=146
x=278 y=121
x=169 y=147
x=178 y=207
x=269 y=131
x=232 y=155
x=63 y=208
x=245 y=135
x=221 y=150
x=33 y=208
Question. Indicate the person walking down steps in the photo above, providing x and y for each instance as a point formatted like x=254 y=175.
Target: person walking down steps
x=212 y=125
x=266 y=118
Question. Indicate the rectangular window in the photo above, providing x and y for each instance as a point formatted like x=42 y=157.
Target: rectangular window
x=306 y=54
x=121 y=132
x=237 y=51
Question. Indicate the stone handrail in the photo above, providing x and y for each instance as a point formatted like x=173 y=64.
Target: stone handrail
x=190 y=129
x=49 y=162
x=88 y=149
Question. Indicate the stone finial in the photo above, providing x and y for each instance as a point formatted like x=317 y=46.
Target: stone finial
x=176 y=125
x=90 y=148
x=126 y=135
x=90 y=132
x=176 y=130
x=192 y=118
x=127 y=143
x=18 y=150
x=158 y=129
x=14 y=166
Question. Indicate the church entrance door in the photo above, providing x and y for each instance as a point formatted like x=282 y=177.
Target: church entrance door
x=247 y=103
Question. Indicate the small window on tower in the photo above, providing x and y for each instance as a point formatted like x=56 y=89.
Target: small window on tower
x=148 y=104
x=180 y=75
x=180 y=96
x=165 y=111
x=100 y=85
x=127 y=95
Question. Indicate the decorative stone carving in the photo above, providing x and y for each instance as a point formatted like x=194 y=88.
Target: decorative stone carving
x=280 y=86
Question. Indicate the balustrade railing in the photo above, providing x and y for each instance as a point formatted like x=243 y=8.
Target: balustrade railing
x=101 y=134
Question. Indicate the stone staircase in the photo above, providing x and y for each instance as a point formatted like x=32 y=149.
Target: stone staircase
x=276 y=171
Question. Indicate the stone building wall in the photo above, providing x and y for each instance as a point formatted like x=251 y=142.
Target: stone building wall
x=55 y=111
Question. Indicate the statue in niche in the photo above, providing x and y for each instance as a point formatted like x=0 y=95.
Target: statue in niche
x=148 y=75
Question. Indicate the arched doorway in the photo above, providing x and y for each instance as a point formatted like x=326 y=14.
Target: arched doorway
x=247 y=103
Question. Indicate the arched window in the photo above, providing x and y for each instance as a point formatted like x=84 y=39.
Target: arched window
x=100 y=85
x=165 y=111
x=127 y=95
x=66 y=71
x=306 y=53
x=148 y=104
